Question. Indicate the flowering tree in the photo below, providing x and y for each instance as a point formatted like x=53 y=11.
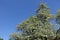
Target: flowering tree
x=37 y=27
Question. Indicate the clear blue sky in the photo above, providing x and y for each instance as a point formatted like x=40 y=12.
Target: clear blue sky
x=13 y=12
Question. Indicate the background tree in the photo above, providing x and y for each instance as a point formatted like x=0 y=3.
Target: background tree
x=58 y=17
x=1 y=39
x=37 y=27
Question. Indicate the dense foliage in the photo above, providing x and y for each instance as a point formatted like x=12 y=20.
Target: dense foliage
x=38 y=27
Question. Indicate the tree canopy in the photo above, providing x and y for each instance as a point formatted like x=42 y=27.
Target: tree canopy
x=37 y=27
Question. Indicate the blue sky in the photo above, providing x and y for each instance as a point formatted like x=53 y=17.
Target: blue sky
x=13 y=12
